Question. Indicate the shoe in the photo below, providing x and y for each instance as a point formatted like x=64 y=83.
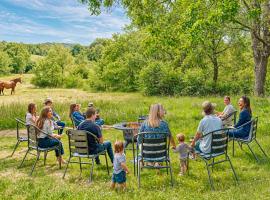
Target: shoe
x=98 y=163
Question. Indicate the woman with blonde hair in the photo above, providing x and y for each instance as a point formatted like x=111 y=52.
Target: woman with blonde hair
x=49 y=139
x=155 y=123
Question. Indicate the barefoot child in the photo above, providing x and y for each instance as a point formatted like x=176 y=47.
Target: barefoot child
x=119 y=166
x=183 y=149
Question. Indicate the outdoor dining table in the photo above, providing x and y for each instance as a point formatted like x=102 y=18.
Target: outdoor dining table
x=132 y=129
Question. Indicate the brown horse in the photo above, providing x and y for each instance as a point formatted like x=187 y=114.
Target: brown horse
x=1 y=87
x=10 y=85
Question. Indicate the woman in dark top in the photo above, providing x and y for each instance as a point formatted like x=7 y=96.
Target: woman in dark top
x=244 y=117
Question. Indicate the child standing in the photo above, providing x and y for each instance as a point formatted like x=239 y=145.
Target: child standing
x=119 y=166
x=183 y=149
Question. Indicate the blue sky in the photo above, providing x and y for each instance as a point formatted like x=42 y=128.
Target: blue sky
x=38 y=21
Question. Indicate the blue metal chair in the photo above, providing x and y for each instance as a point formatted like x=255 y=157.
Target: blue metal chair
x=219 y=144
x=32 y=132
x=251 y=137
x=153 y=150
x=20 y=138
x=78 y=148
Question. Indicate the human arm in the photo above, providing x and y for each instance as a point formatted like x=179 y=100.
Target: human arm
x=242 y=119
x=124 y=167
x=56 y=116
x=198 y=135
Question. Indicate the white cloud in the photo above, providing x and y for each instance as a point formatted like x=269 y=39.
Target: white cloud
x=65 y=21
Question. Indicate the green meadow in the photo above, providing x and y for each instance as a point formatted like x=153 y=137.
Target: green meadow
x=183 y=115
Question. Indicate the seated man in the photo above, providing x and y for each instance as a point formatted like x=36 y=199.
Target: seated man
x=90 y=126
x=209 y=123
x=58 y=124
x=229 y=109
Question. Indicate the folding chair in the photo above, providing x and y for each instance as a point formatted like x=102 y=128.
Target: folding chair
x=32 y=132
x=20 y=138
x=251 y=137
x=78 y=148
x=73 y=123
x=219 y=144
x=232 y=117
x=154 y=150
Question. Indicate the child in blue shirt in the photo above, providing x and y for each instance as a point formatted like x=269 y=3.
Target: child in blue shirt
x=119 y=166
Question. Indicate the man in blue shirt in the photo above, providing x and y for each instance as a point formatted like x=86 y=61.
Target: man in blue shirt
x=90 y=126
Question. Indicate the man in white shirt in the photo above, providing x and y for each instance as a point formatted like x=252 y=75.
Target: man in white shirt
x=209 y=123
x=229 y=109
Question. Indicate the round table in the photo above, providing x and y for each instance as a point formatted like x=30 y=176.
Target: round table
x=130 y=131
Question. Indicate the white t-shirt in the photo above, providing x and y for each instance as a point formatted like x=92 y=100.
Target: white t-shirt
x=208 y=124
x=227 y=111
x=29 y=118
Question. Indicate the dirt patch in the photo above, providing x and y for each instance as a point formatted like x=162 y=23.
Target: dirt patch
x=14 y=174
x=12 y=133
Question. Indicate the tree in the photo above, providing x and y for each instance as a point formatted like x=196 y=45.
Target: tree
x=243 y=15
x=50 y=71
x=19 y=56
x=5 y=61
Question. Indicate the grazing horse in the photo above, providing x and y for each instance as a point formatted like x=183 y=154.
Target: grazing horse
x=1 y=87
x=11 y=85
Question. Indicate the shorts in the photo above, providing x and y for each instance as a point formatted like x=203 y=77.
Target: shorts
x=119 y=178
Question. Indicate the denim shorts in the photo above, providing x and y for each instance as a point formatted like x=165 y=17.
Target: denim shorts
x=119 y=178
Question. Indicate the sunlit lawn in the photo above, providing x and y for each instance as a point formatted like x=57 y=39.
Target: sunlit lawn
x=183 y=115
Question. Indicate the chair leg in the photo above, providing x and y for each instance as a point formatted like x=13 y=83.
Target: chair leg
x=24 y=158
x=167 y=167
x=232 y=169
x=80 y=161
x=253 y=153
x=34 y=165
x=66 y=168
x=213 y=164
x=133 y=156
x=16 y=146
x=188 y=164
x=209 y=176
x=171 y=173
x=107 y=164
x=45 y=157
x=91 y=170
x=139 y=174
x=240 y=145
x=261 y=148
x=233 y=148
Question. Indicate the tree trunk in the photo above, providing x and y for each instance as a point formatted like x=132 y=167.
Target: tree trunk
x=215 y=64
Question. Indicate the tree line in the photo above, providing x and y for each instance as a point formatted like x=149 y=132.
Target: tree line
x=177 y=47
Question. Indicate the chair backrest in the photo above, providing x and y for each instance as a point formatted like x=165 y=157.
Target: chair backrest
x=253 y=129
x=73 y=123
x=155 y=148
x=32 y=132
x=219 y=141
x=231 y=118
x=18 y=123
x=78 y=142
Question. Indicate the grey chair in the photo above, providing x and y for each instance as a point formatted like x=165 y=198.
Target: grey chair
x=153 y=150
x=73 y=123
x=78 y=148
x=20 y=138
x=219 y=144
x=32 y=132
x=252 y=137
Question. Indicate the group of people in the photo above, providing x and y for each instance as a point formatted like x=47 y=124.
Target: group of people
x=90 y=121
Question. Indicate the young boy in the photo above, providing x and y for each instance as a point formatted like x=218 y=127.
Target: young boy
x=183 y=149
x=119 y=166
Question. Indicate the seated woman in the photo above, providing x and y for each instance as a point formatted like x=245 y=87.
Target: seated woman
x=229 y=109
x=58 y=124
x=209 y=123
x=31 y=116
x=45 y=123
x=155 y=123
x=75 y=114
x=244 y=117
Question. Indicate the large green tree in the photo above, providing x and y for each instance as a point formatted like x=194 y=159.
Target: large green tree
x=5 y=61
x=242 y=15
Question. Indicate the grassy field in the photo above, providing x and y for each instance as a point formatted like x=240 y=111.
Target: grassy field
x=183 y=115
